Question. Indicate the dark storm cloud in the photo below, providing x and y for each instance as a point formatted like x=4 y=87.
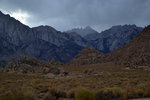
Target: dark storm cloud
x=66 y=14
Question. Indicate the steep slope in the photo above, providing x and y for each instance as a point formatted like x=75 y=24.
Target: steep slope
x=87 y=56
x=58 y=38
x=51 y=35
x=115 y=37
x=92 y=36
x=44 y=42
x=79 y=39
x=135 y=53
x=14 y=31
x=6 y=50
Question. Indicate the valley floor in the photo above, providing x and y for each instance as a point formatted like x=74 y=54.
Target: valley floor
x=98 y=79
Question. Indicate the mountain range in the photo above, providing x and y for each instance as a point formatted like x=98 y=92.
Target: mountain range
x=135 y=54
x=110 y=39
x=44 y=42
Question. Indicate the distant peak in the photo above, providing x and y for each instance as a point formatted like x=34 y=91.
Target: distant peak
x=88 y=27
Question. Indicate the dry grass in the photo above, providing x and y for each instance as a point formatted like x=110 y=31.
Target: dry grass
x=125 y=83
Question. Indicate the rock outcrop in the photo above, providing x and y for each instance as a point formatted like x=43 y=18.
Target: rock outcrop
x=28 y=65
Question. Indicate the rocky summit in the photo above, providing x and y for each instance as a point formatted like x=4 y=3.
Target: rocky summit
x=83 y=31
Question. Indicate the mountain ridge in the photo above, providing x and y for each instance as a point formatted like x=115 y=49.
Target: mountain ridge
x=135 y=54
x=42 y=42
x=24 y=39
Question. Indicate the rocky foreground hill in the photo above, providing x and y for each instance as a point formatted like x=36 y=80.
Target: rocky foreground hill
x=87 y=56
x=26 y=65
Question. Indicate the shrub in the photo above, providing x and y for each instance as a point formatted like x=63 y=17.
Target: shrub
x=117 y=92
x=133 y=92
x=12 y=96
x=5 y=97
x=54 y=94
x=147 y=91
x=58 y=94
x=84 y=95
x=71 y=94
x=103 y=94
x=28 y=93
x=48 y=96
x=18 y=95
x=109 y=93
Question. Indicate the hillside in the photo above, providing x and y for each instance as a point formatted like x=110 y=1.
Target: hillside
x=136 y=53
x=87 y=56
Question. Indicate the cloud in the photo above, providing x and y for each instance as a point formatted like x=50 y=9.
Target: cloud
x=21 y=16
x=67 y=14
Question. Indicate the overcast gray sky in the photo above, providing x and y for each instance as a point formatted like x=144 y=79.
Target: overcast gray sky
x=66 y=14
